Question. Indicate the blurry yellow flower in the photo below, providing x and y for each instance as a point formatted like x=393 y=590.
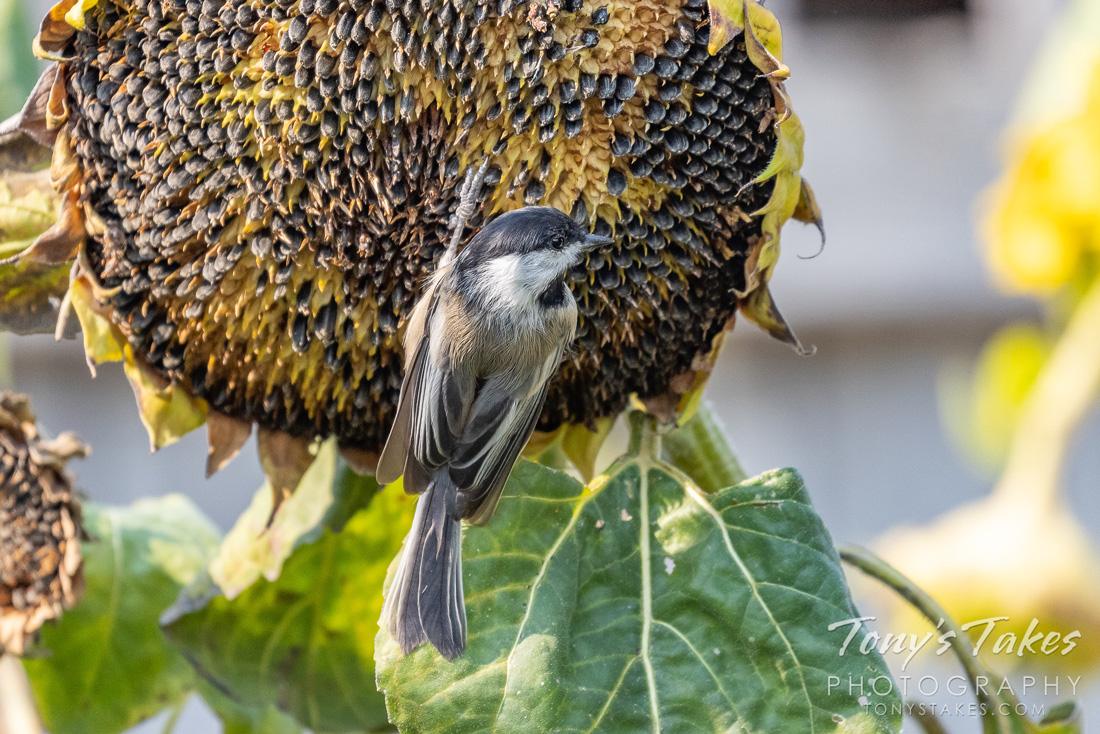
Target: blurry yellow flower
x=1066 y=167
x=1029 y=252
x=1020 y=556
x=1019 y=560
x=1046 y=210
x=983 y=405
x=1005 y=560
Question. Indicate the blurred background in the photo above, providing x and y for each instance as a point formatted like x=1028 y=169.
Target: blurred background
x=905 y=104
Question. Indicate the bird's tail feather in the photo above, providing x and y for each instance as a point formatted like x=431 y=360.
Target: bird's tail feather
x=425 y=602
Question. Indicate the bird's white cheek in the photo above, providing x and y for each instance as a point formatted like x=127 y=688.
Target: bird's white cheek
x=503 y=282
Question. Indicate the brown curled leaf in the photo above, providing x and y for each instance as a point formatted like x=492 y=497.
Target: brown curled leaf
x=59 y=244
x=284 y=459
x=760 y=308
x=362 y=462
x=807 y=209
x=55 y=33
x=64 y=170
x=26 y=136
x=226 y=437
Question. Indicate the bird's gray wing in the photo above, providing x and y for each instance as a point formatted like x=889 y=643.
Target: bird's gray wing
x=499 y=426
x=391 y=464
x=442 y=401
x=431 y=412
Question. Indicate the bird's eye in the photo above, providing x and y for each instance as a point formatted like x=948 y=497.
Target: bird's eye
x=557 y=242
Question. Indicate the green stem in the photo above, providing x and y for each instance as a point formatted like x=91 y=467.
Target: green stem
x=5 y=363
x=173 y=717
x=1064 y=392
x=700 y=449
x=884 y=573
x=645 y=441
x=926 y=720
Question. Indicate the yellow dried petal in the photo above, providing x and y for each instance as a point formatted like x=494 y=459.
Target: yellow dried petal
x=167 y=411
x=75 y=16
x=102 y=341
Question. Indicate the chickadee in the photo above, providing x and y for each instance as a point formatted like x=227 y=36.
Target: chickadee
x=480 y=347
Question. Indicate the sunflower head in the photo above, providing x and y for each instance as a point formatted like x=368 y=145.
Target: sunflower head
x=255 y=192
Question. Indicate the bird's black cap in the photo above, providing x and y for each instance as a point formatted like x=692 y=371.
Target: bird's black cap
x=527 y=230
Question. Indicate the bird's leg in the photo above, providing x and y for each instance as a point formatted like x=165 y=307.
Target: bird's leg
x=467 y=204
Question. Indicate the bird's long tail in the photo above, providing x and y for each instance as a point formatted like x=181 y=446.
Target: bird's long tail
x=425 y=602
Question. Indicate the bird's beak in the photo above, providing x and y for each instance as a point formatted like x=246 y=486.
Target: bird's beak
x=593 y=241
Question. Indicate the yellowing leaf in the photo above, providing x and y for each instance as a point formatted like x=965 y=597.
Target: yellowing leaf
x=727 y=19
x=327 y=493
x=765 y=27
x=102 y=340
x=763 y=39
x=582 y=446
x=28 y=206
x=30 y=290
x=787 y=158
x=107 y=665
x=304 y=641
x=764 y=42
x=167 y=411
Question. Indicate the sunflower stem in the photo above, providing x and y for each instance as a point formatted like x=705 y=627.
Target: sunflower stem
x=645 y=440
x=173 y=717
x=1066 y=388
x=701 y=450
x=18 y=714
x=926 y=720
x=960 y=643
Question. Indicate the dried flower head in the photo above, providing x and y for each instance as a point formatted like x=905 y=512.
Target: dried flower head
x=40 y=562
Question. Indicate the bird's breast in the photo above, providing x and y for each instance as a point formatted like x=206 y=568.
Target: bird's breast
x=516 y=340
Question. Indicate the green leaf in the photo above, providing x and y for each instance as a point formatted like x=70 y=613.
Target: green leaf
x=305 y=641
x=107 y=664
x=30 y=291
x=31 y=294
x=18 y=68
x=327 y=495
x=1063 y=718
x=239 y=719
x=640 y=604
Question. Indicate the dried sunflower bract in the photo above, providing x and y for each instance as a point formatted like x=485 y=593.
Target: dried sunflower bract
x=40 y=561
